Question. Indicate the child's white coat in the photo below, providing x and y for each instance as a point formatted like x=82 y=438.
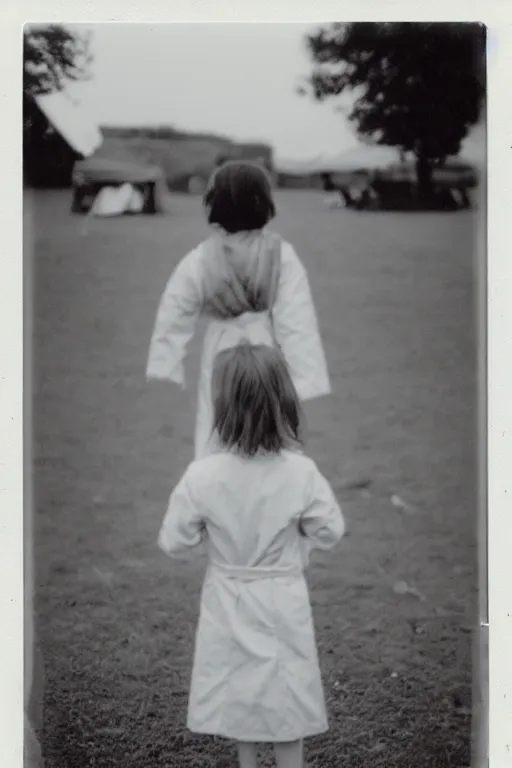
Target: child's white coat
x=294 y=327
x=256 y=675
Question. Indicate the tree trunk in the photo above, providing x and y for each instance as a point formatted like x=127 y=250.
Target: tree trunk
x=424 y=178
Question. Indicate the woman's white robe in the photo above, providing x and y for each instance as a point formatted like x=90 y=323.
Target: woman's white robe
x=255 y=675
x=293 y=327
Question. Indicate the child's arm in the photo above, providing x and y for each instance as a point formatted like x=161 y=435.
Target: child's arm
x=296 y=329
x=183 y=530
x=175 y=323
x=322 y=521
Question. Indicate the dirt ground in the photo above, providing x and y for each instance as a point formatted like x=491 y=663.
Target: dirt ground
x=395 y=295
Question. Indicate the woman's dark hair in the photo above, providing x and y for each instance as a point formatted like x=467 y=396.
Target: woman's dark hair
x=255 y=404
x=238 y=197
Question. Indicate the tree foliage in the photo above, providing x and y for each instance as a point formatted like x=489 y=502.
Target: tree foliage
x=417 y=86
x=53 y=56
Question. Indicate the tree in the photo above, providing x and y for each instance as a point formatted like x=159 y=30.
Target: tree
x=53 y=56
x=417 y=86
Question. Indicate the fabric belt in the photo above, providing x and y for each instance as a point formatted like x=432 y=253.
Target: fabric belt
x=256 y=573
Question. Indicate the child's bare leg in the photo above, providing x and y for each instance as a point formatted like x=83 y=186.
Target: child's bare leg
x=247 y=754
x=289 y=754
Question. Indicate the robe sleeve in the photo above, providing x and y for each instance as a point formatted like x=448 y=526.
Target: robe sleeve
x=183 y=531
x=296 y=329
x=175 y=323
x=322 y=521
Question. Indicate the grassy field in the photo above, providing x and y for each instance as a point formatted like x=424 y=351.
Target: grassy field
x=395 y=298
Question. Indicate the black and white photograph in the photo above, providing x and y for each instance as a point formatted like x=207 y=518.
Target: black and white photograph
x=254 y=272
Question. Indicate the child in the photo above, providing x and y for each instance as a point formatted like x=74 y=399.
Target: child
x=248 y=283
x=255 y=675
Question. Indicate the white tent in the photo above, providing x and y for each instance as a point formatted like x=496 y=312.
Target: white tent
x=376 y=157
x=71 y=121
x=297 y=167
x=359 y=157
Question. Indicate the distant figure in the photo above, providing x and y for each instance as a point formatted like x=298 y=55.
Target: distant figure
x=328 y=184
x=250 y=284
x=259 y=506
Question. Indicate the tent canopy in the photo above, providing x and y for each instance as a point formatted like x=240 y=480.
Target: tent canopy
x=101 y=170
x=71 y=121
x=93 y=175
x=359 y=158
x=362 y=158
x=370 y=158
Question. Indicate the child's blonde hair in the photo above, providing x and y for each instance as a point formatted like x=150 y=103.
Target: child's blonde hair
x=256 y=406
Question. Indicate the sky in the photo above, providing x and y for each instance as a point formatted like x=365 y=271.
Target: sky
x=238 y=80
